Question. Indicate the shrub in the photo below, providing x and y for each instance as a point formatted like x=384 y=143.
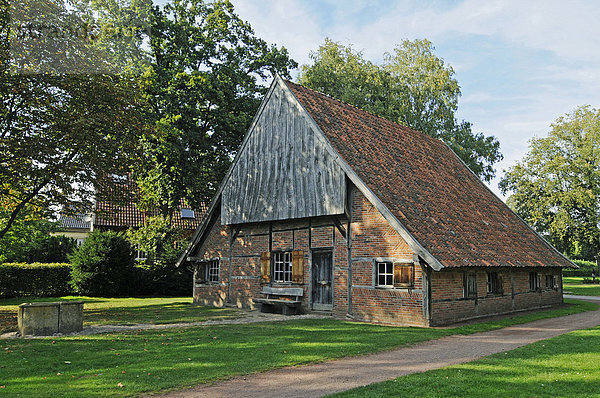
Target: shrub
x=103 y=265
x=49 y=249
x=37 y=279
x=585 y=269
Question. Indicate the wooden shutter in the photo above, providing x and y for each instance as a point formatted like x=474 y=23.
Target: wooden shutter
x=298 y=266
x=265 y=267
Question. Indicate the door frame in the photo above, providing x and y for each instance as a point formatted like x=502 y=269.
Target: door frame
x=317 y=306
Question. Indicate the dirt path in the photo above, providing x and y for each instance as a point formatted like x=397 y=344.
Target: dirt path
x=339 y=375
x=245 y=317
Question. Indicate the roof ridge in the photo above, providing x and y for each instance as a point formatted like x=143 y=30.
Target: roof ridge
x=386 y=120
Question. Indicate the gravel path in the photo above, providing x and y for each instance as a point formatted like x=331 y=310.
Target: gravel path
x=339 y=375
x=246 y=317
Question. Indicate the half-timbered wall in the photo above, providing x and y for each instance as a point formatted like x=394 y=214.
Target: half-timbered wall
x=450 y=305
x=285 y=169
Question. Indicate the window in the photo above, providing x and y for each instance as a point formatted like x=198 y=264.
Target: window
x=551 y=282
x=534 y=281
x=207 y=272
x=494 y=283
x=394 y=275
x=213 y=271
x=140 y=255
x=470 y=285
x=187 y=213
x=282 y=267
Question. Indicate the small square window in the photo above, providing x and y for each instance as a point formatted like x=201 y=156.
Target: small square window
x=207 y=272
x=394 y=275
x=187 y=213
x=282 y=267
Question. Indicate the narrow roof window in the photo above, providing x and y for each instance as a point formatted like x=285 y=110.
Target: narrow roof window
x=187 y=213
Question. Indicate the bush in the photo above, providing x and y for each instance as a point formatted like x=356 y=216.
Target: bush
x=37 y=279
x=585 y=269
x=49 y=249
x=103 y=266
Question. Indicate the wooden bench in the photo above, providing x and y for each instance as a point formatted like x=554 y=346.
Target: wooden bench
x=286 y=298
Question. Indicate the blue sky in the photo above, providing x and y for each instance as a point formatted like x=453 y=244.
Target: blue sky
x=520 y=64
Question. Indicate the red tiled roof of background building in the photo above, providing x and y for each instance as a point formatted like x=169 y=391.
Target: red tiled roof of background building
x=120 y=210
x=445 y=207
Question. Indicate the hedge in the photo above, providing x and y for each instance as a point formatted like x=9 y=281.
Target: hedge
x=585 y=269
x=37 y=279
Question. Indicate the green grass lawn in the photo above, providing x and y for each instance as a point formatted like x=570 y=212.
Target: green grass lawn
x=573 y=285
x=124 y=364
x=123 y=311
x=564 y=366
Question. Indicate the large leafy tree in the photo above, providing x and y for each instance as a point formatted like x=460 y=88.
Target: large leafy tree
x=556 y=186
x=61 y=131
x=205 y=83
x=412 y=87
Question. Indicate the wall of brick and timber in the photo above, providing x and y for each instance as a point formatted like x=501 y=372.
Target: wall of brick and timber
x=372 y=240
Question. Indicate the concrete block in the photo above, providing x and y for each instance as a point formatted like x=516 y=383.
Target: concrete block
x=38 y=319
x=71 y=317
x=46 y=319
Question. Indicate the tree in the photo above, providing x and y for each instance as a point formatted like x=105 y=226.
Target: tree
x=61 y=133
x=205 y=84
x=413 y=87
x=103 y=265
x=556 y=186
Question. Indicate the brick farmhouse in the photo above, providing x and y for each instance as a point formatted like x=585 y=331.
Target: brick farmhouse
x=330 y=208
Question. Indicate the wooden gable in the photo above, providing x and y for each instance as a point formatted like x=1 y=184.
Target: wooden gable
x=285 y=168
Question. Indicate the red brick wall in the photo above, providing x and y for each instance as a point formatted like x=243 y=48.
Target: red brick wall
x=372 y=239
x=449 y=305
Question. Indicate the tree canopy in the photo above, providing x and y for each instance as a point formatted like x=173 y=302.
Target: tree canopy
x=205 y=83
x=556 y=186
x=412 y=87
x=61 y=132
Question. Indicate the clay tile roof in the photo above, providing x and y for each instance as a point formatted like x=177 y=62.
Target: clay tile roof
x=448 y=210
x=124 y=213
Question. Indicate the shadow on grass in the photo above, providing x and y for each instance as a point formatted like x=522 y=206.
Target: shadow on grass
x=123 y=311
x=174 y=312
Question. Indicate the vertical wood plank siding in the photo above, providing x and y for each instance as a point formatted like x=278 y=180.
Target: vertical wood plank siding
x=284 y=171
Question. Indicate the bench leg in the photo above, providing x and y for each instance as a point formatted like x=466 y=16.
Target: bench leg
x=268 y=308
x=290 y=310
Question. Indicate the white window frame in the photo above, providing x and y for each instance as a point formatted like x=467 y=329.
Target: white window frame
x=208 y=272
x=281 y=265
x=385 y=275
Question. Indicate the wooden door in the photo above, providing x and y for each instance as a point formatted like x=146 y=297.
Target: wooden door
x=322 y=276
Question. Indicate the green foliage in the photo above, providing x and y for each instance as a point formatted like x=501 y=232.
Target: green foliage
x=556 y=186
x=149 y=361
x=37 y=279
x=585 y=269
x=27 y=227
x=163 y=243
x=63 y=124
x=413 y=87
x=205 y=82
x=103 y=265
